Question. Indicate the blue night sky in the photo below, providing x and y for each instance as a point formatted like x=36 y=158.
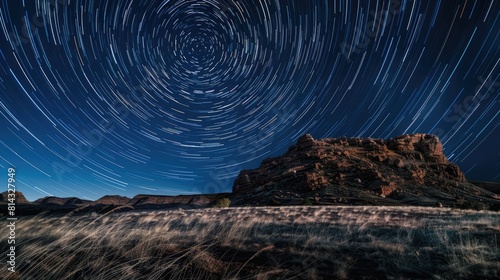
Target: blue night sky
x=176 y=97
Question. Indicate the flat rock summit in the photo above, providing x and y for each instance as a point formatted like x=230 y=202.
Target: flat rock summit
x=405 y=170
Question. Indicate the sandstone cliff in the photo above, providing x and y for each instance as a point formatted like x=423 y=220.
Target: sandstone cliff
x=405 y=170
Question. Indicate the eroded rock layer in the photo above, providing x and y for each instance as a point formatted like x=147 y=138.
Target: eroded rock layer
x=408 y=169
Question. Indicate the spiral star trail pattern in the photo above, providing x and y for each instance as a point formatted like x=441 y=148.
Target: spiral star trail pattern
x=170 y=97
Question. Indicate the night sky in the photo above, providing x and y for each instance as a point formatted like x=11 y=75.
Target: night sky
x=176 y=97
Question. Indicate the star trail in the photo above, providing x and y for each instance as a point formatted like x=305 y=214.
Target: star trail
x=176 y=97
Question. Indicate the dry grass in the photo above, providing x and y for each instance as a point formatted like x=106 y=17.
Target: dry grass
x=306 y=242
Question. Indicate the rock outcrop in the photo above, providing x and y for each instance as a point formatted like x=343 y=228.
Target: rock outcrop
x=61 y=201
x=19 y=198
x=408 y=169
x=116 y=200
x=142 y=201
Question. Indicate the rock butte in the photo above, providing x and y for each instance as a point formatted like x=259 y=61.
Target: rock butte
x=405 y=170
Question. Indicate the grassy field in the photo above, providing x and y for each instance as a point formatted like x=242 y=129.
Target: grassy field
x=305 y=242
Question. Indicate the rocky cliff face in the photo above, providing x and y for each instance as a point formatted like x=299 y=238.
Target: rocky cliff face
x=20 y=199
x=408 y=169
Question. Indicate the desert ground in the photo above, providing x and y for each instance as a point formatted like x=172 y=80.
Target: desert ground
x=296 y=242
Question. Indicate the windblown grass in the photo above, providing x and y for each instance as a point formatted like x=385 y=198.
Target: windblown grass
x=305 y=242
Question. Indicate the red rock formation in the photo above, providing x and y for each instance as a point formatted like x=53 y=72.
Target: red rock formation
x=403 y=168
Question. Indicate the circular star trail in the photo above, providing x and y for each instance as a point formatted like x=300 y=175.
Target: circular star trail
x=169 y=97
